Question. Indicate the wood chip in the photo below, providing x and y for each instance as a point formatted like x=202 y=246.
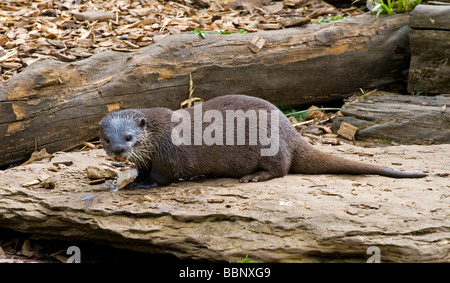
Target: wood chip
x=256 y=43
x=347 y=130
x=2 y=52
x=90 y=145
x=296 y=21
x=314 y=114
x=92 y=16
x=270 y=26
x=30 y=30
x=3 y=40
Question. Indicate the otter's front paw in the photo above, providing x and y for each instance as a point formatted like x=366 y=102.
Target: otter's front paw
x=141 y=185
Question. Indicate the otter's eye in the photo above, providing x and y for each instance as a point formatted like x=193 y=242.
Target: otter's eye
x=128 y=137
x=106 y=141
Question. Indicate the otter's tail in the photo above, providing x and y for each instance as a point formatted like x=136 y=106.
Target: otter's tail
x=313 y=161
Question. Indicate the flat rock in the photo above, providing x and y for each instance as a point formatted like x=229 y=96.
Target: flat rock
x=297 y=218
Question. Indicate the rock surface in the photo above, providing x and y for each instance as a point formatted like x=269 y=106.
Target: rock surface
x=298 y=218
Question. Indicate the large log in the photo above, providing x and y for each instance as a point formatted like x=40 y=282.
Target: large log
x=430 y=49
x=297 y=218
x=385 y=117
x=56 y=105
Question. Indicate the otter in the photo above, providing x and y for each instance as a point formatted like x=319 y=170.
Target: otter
x=148 y=137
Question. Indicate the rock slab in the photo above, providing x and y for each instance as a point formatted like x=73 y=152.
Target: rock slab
x=297 y=218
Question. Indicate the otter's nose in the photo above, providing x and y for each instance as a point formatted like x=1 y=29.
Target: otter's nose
x=118 y=150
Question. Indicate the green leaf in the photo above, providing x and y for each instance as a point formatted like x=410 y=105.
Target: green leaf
x=223 y=31
x=247 y=261
x=200 y=32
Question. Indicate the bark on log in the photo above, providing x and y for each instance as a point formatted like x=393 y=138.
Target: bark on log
x=430 y=17
x=56 y=105
x=430 y=49
x=297 y=218
x=385 y=118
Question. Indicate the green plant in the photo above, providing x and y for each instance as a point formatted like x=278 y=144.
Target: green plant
x=300 y=115
x=295 y=113
x=203 y=33
x=384 y=9
x=245 y=260
x=200 y=32
x=291 y=112
x=330 y=19
x=393 y=6
x=222 y=31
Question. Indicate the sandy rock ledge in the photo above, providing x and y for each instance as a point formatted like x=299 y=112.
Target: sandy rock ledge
x=298 y=218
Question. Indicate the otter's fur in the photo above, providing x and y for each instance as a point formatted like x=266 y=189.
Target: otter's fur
x=144 y=136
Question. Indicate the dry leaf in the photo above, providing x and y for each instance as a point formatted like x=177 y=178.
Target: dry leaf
x=314 y=114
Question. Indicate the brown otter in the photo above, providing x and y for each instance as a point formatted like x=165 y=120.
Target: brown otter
x=146 y=137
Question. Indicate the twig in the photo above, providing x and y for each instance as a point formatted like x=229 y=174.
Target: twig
x=8 y=55
x=303 y=123
x=131 y=44
x=309 y=122
x=369 y=93
x=129 y=26
x=316 y=109
x=188 y=102
x=90 y=145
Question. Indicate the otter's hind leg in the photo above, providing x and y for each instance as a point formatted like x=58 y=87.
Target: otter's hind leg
x=270 y=167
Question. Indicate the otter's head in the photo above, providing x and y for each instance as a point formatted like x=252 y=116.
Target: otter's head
x=123 y=134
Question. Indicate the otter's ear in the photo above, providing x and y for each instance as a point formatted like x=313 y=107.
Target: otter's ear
x=142 y=122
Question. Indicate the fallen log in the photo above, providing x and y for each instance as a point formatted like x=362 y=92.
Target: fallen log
x=385 y=118
x=57 y=105
x=297 y=218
